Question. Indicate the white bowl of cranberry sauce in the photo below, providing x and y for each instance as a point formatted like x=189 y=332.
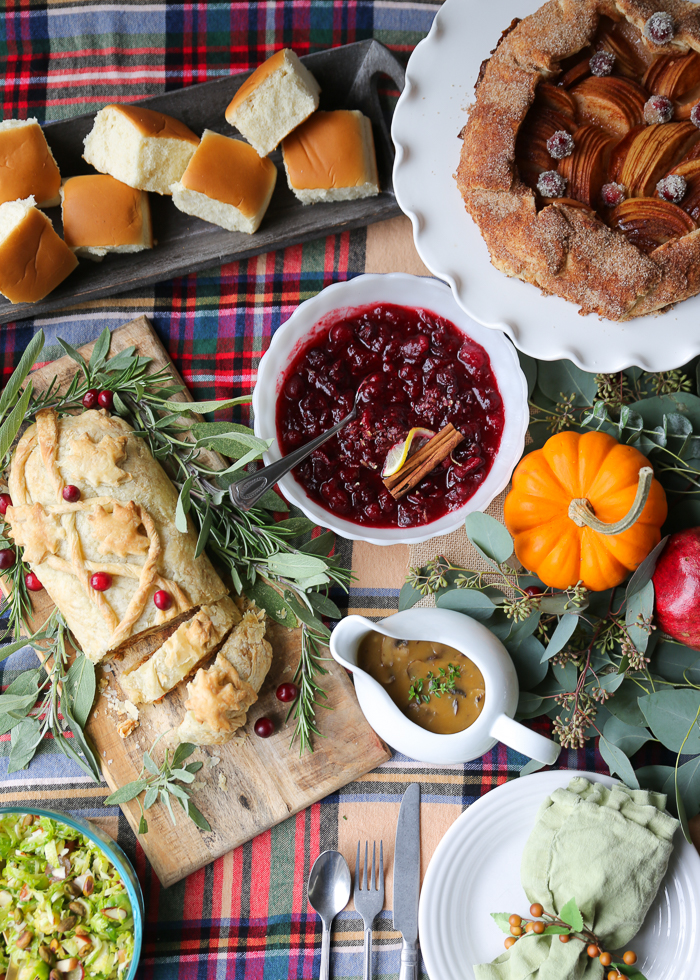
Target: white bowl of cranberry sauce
x=422 y=362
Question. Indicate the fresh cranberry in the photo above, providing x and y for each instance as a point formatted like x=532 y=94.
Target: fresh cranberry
x=162 y=599
x=287 y=692
x=340 y=335
x=105 y=399
x=551 y=184
x=263 y=727
x=32 y=582
x=534 y=591
x=602 y=63
x=90 y=398
x=7 y=558
x=71 y=494
x=660 y=28
x=472 y=355
x=672 y=188
x=5 y=502
x=560 y=145
x=658 y=109
x=101 y=581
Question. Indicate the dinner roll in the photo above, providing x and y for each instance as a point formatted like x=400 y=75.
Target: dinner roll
x=280 y=94
x=227 y=183
x=27 y=166
x=33 y=259
x=101 y=214
x=140 y=147
x=331 y=157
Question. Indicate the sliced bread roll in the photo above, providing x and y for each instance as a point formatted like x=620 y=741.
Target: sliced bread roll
x=226 y=183
x=33 y=259
x=280 y=94
x=27 y=165
x=101 y=214
x=331 y=157
x=140 y=147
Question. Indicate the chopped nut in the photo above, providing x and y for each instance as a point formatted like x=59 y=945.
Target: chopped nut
x=126 y=727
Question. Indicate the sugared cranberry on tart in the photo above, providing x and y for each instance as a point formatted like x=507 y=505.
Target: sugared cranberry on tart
x=581 y=156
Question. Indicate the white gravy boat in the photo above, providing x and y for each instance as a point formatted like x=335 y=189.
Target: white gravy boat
x=494 y=724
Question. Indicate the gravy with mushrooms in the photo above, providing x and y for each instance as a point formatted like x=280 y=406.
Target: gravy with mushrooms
x=434 y=685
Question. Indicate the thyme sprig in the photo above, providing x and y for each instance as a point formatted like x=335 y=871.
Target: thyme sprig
x=443 y=683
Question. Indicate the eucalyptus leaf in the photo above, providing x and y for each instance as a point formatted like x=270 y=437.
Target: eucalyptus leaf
x=489 y=537
x=557 y=605
x=629 y=738
x=624 y=704
x=689 y=785
x=561 y=635
x=529 y=705
x=671 y=715
x=655 y=777
x=80 y=687
x=522 y=630
x=469 y=601
x=559 y=378
x=527 y=657
x=676 y=663
x=126 y=793
x=682 y=815
x=13 y=422
x=617 y=762
x=183 y=505
x=567 y=675
x=611 y=682
x=645 y=571
x=26 y=362
x=408 y=596
x=640 y=607
x=24 y=740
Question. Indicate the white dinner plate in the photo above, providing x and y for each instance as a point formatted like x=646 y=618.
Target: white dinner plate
x=476 y=870
x=431 y=112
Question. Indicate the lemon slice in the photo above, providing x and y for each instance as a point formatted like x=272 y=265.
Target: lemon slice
x=399 y=453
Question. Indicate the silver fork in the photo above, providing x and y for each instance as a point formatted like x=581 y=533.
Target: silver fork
x=369 y=901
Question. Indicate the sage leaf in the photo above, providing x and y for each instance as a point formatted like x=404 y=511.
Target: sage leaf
x=296 y=566
x=559 y=378
x=248 y=440
x=271 y=601
x=501 y=920
x=26 y=362
x=323 y=605
x=639 y=609
x=304 y=614
x=80 y=686
x=150 y=797
x=182 y=774
x=23 y=744
x=203 y=408
x=178 y=792
x=472 y=602
x=183 y=505
x=489 y=537
x=204 y=531
x=561 y=635
x=74 y=355
x=81 y=740
x=194 y=766
x=182 y=752
x=617 y=762
x=197 y=817
x=671 y=715
x=571 y=914
x=150 y=764
x=90 y=768
x=272 y=501
x=629 y=738
x=127 y=793
x=532 y=766
x=143 y=825
x=408 y=596
x=100 y=350
x=13 y=422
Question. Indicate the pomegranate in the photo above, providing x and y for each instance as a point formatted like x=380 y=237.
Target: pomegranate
x=677 y=587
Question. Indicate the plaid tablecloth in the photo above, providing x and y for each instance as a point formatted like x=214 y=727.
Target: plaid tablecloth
x=245 y=916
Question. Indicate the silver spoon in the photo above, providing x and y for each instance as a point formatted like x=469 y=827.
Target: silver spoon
x=328 y=893
x=245 y=493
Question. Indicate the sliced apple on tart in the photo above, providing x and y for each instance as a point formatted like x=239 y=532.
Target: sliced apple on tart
x=586 y=167
x=650 y=154
x=649 y=222
x=616 y=104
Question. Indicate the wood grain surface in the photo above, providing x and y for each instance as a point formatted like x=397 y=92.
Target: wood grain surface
x=257 y=782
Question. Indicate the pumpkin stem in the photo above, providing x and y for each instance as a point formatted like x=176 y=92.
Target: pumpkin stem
x=581 y=510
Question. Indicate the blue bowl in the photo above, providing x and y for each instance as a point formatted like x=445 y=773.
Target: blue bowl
x=115 y=854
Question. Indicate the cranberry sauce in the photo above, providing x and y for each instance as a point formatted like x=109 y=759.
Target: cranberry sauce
x=422 y=372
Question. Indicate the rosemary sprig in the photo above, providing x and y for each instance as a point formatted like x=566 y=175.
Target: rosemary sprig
x=164 y=784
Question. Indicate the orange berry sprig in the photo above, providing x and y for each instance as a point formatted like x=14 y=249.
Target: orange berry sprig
x=545 y=923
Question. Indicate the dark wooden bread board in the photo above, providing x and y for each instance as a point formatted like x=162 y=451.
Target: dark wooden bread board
x=266 y=779
x=348 y=78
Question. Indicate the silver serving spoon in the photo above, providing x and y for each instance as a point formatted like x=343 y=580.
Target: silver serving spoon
x=328 y=892
x=245 y=493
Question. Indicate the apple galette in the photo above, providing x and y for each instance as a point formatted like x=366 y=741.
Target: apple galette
x=94 y=514
x=581 y=155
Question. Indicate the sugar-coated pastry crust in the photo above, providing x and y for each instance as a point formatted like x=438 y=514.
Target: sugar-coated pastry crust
x=219 y=698
x=123 y=524
x=181 y=653
x=562 y=249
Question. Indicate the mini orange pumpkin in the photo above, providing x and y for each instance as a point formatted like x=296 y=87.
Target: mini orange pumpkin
x=584 y=508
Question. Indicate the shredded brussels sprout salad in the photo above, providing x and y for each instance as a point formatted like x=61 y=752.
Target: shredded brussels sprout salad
x=64 y=909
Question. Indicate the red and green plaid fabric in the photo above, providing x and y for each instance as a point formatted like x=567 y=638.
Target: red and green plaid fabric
x=245 y=916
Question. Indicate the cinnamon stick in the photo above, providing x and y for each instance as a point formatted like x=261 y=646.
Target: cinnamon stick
x=424 y=461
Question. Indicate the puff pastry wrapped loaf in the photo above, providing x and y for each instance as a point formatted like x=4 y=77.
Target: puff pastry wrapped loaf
x=124 y=524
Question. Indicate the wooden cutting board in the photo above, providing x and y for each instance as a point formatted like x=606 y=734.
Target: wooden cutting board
x=257 y=782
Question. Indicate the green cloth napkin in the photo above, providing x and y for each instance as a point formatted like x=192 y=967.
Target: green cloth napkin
x=608 y=849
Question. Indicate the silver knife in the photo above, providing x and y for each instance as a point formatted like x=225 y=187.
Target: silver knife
x=407 y=880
